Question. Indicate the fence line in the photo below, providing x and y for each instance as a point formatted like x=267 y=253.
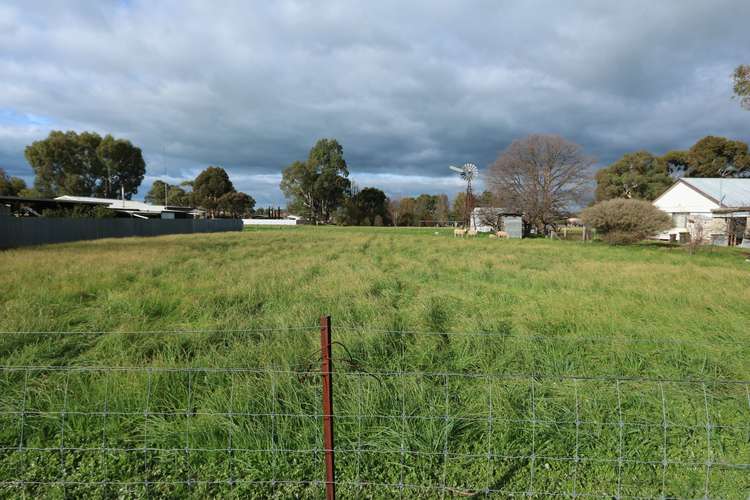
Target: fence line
x=24 y=231
x=347 y=328
x=405 y=373
x=290 y=329
x=410 y=431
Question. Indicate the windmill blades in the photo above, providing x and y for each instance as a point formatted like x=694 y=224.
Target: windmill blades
x=470 y=171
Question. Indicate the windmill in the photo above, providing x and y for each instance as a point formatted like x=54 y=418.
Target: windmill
x=468 y=172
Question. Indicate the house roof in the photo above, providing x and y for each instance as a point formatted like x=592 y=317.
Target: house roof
x=124 y=205
x=725 y=192
x=26 y=199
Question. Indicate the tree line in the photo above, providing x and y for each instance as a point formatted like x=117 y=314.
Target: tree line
x=643 y=175
x=544 y=177
x=540 y=176
x=211 y=190
x=87 y=164
x=320 y=190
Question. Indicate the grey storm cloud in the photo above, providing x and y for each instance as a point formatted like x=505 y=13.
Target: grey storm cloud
x=407 y=87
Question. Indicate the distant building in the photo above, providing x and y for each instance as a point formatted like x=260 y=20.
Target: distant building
x=720 y=207
x=289 y=220
x=138 y=209
x=483 y=217
x=35 y=207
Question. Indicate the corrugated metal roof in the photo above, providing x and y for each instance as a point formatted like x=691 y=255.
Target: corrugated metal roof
x=114 y=203
x=728 y=192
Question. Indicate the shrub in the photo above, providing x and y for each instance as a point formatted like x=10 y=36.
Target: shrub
x=622 y=221
x=80 y=212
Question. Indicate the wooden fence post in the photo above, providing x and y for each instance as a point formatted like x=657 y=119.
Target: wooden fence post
x=327 y=376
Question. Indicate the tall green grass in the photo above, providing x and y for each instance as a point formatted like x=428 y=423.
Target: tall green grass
x=568 y=340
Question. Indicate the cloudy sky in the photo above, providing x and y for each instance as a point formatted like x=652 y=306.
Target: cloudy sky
x=407 y=87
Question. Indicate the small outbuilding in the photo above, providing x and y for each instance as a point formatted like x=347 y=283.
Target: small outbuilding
x=485 y=219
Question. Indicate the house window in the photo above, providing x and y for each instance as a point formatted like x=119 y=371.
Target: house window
x=679 y=220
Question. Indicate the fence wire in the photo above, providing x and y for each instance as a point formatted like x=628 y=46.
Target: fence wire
x=402 y=428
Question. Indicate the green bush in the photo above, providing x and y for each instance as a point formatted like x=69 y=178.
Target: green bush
x=80 y=212
x=622 y=221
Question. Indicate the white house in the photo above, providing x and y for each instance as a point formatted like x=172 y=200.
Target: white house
x=716 y=206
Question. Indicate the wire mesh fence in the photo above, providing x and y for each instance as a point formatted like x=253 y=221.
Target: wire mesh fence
x=407 y=423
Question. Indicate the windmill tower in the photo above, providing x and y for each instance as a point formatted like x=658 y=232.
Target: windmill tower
x=468 y=172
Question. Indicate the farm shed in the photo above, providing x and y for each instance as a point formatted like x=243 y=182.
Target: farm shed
x=712 y=204
x=483 y=218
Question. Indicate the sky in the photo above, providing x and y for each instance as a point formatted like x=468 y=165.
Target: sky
x=407 y=88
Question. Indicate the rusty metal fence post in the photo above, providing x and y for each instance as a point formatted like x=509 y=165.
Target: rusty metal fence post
x=327 y=375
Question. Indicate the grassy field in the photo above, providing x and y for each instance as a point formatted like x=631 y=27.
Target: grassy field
x=533 y=366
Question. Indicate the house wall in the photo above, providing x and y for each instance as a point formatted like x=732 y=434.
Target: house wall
x=681 y=198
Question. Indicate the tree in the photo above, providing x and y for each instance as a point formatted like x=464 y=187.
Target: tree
x=718 y=157
x=179 y=197
x=425 y=206
x=57 y=165
x=394 y=210
x=492 y=217
x=622 y=221
x=458 y=207
x=407 y=212
x=711 y=156
x=175 y=195
x=638 y=175
x=11 y=186
x=542 y=177
x=210 y=186
x=676 y=162
x=236 y=204
x=486 y=199
x=442 y=208
x=122 y=167
x=85 y=164
x=319 y=186
x=365 y=206
x=741 y=87
x=156 y=195
x=213 y=191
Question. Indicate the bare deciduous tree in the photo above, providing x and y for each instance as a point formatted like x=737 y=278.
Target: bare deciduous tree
x=492 y=217
x=394 y=210
x=542 y=176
